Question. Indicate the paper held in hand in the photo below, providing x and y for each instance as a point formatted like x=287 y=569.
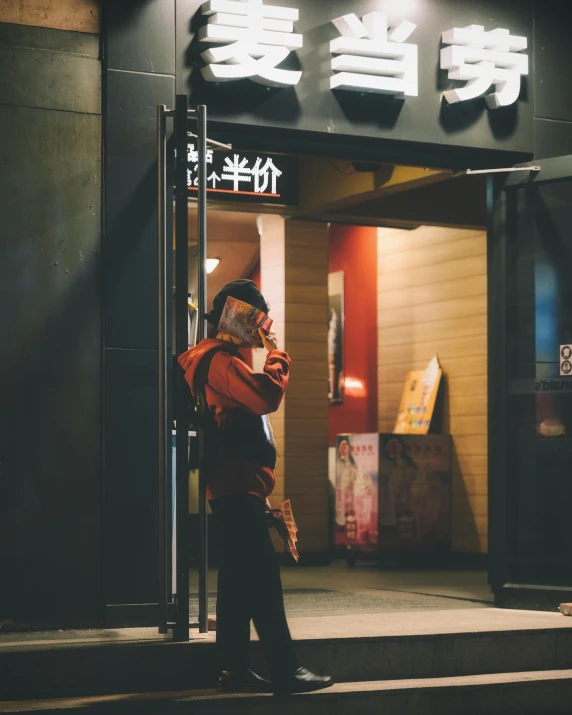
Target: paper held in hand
x=282 y=520
x=242 y=320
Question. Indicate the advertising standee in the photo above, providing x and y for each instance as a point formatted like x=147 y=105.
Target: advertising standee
x=393 y=492
x=415 y=491
x=356 y=501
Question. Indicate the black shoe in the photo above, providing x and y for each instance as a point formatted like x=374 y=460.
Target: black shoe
x=242 y=682
x=303 y=681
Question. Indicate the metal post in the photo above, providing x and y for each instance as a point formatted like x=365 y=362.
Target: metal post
x=162 y=360
x=181 y=629
x=202 y=235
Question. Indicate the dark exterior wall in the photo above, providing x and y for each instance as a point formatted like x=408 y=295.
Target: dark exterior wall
x=552 y=61
x=139 y=74
x=50 y=316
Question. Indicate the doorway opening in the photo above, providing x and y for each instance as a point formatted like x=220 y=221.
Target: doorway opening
x=405 y=268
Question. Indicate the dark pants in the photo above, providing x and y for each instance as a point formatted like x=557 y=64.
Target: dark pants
x=249 y=587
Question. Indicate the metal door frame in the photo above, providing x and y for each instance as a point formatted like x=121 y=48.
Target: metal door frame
x=174 y=611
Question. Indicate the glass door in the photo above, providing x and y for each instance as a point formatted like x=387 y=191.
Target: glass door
x=530 y=385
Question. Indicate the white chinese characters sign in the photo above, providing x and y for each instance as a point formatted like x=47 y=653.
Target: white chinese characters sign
x=370 y=56
x=265 y=178
x=253 y=40
x=484 y=60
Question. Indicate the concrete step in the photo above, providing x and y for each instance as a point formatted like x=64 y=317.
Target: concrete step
x=530 y=693
x=421 y=645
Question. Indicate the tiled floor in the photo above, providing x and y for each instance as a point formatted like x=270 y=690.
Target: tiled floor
x=339 y=590
x=335 y=601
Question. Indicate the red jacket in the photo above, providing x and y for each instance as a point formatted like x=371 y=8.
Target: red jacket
x=232 y=384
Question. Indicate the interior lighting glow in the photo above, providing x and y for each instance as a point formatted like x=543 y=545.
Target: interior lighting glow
x=354 y=387
x=212 y=263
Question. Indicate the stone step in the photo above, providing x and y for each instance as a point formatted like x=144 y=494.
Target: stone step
x=481 y=642
x=528 y=693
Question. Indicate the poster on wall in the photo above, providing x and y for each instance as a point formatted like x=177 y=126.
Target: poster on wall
x=415 y=491
x=356 y=499
x=418 y=400
x=336 y=338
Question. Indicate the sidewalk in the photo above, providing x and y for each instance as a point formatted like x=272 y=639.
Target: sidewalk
x=338 y=602
x=333 y=591
x=365 y=627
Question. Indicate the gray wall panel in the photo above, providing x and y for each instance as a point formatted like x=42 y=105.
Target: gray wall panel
x=552 y=139
x=140 y=59
x=553 y=56
x=79 y=43
x=50 y=367
x=141 y=35
x=131 y=507
x=49 y=77
x=131 y=197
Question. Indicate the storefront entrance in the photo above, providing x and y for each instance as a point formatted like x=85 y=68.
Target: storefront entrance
x=431 y=288
x=87 y=423
x=430 y=284
x=295 y=245
x=312 y=119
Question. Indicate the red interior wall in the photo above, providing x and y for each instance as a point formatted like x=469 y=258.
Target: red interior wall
x=353 y=250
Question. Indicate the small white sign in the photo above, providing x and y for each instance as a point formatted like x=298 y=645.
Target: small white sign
x=566 y=360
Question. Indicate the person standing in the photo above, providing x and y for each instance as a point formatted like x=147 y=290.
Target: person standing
x=240 y=477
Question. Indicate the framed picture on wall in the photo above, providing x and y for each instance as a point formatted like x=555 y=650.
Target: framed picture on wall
x=336 y=338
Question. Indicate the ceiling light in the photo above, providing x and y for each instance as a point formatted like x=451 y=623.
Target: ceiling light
x=212 y=263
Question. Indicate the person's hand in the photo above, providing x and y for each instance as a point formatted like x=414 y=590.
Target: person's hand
x=268 y=340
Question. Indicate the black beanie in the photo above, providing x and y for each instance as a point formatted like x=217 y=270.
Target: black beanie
x=241 y=289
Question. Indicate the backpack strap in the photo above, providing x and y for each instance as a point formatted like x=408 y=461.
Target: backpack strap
x=199 y=399
x=199 y=386
x=202 y=415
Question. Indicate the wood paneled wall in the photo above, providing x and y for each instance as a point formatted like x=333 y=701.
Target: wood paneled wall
x=272 y=283
x=432 y=288
x=75 y=15
x=307 y=425
x=294 y=274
